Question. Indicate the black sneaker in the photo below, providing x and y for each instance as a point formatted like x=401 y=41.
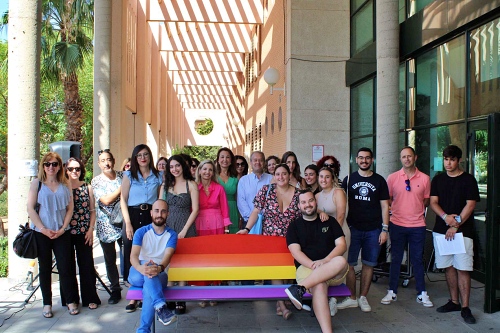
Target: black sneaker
x=449 y=307
x=131 y=307
x=139 y=305
x=165 y=316
x=116 y=296
x=467 y=315
x=295 y=293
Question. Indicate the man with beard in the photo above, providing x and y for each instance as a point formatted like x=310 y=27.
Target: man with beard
x=317 y=248
x=152 y=248
x=368 y=220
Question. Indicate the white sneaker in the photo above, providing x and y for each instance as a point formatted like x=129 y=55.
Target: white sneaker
x=363 y=304
x=424 y=299
x=347 y=303
x=333 y=306
x=390 y=297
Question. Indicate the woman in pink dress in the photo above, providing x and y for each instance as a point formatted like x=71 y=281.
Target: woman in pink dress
x=213 y=214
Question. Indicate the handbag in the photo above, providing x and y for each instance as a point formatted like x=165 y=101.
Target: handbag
x=257 y=227
x=25 y=243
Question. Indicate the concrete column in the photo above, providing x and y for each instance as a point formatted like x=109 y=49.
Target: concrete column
x=387 y=148
x=23 y=113
x=102 y=76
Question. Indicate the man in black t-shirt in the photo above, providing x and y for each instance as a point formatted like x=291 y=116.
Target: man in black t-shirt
x=368 y=220
x=453 y=198
x=317 y=248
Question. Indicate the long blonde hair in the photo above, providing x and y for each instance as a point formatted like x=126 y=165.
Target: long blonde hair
x=60 y=174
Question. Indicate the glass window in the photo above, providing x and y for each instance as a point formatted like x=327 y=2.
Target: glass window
x=440 y=89
x=417 y=5
x=402 y=96
x=362 y=26
x=402 y=10
x=429 y=144
x=485 y=69
x=355 y=4
x=362 y=109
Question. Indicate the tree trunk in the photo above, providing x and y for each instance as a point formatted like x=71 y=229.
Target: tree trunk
x=73 y=108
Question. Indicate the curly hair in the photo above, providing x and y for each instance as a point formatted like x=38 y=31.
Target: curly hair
x=336 y=164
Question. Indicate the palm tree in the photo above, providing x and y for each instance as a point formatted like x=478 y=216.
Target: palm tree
x=67 y=32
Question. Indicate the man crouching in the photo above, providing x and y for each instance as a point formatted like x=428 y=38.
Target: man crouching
x=152 y=249
x=317 y=248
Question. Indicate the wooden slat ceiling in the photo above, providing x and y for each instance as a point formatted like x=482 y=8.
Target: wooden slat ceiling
x=205 y=42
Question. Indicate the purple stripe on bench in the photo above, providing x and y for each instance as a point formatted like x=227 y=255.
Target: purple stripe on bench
x=233 y=293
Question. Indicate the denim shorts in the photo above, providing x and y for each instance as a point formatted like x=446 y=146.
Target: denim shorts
x=367 y=242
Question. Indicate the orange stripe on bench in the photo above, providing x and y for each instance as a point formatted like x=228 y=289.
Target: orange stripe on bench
x=231 y=260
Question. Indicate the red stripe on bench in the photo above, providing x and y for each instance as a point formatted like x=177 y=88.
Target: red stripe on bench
x=232 y=244
x=231 y=260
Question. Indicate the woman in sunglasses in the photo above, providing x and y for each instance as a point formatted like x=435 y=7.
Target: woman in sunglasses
x=194 y=166
x=241 y=166
x=50 y=208
x=140 y=189
x=81 y=230
x=331 y=162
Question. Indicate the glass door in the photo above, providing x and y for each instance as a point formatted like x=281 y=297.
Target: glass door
x=492 y=216
x=478 y=167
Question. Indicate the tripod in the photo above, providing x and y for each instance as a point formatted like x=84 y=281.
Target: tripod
x=34 y=289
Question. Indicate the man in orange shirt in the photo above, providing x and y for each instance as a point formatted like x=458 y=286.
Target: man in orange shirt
x=409 y=191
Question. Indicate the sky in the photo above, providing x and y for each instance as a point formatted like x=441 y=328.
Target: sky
x=4 y=6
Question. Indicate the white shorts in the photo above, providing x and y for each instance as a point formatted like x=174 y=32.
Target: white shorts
x=462 y=261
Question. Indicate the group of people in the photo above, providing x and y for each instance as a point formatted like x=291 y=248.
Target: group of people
x=145 y=208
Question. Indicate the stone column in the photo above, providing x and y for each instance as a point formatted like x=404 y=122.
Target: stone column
x=23 y=113
x=102 y=76
x=387 y=148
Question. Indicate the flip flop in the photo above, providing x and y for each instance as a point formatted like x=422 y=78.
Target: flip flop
x=48 y=314
x=73 y=311
x=93 y=306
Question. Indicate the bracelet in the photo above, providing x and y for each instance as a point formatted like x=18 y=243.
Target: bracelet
x=93 y=227
x=162 y=268
x=385 y=230
x=226 y=231
x=444 y=216
x=42 y=228
x=456 y=228
x=245 y=228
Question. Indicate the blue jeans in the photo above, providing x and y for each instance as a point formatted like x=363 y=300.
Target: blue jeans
x=367 y=243
x=400 y=237
x=152 y=296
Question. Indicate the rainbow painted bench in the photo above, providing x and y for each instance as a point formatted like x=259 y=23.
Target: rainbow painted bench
x=231 y=258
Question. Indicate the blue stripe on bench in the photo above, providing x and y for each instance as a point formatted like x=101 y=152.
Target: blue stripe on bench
x=230 y=293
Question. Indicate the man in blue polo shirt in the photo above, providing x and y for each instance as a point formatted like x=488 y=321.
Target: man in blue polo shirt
x=152 y=249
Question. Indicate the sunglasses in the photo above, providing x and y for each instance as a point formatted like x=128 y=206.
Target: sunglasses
x=48 y=164
x=76 y=169
x=194 y=166
x=328 y=165
x=103 y=151
x=240 y=164
x=407 y=182
x=127 y=165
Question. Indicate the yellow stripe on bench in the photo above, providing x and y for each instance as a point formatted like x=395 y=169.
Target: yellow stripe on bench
x=231 y=273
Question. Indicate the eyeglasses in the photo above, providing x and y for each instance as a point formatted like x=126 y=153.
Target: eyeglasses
x=76 y=169
x=241 y=164
x=144 y=155
x=407 y=182
x=103 y=151
x=48 y=164
x=328 y=165
x=194 y=166
x=366 y=158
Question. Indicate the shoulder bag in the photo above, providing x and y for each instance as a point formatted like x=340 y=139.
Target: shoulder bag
x=25 y=243
x=257 y=227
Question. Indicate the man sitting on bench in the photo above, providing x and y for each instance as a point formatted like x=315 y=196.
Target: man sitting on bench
x=152 y=248
x=317 y=248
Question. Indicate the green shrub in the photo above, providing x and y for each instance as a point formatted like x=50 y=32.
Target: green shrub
x=3 y=204
x=4 y=257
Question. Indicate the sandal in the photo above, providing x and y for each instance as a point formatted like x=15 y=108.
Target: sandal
x=213 y=303
x=47 y=311
x=180 y=308
x=286 y=314
x=73 y=311
x=93 y=306
x=202 y=304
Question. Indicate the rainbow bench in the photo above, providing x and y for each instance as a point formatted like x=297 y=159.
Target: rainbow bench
x=231 y=258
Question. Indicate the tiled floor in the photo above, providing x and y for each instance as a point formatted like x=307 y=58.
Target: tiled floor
x=405 y=315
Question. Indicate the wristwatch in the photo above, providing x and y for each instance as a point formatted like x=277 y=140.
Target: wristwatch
x=162 y=268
